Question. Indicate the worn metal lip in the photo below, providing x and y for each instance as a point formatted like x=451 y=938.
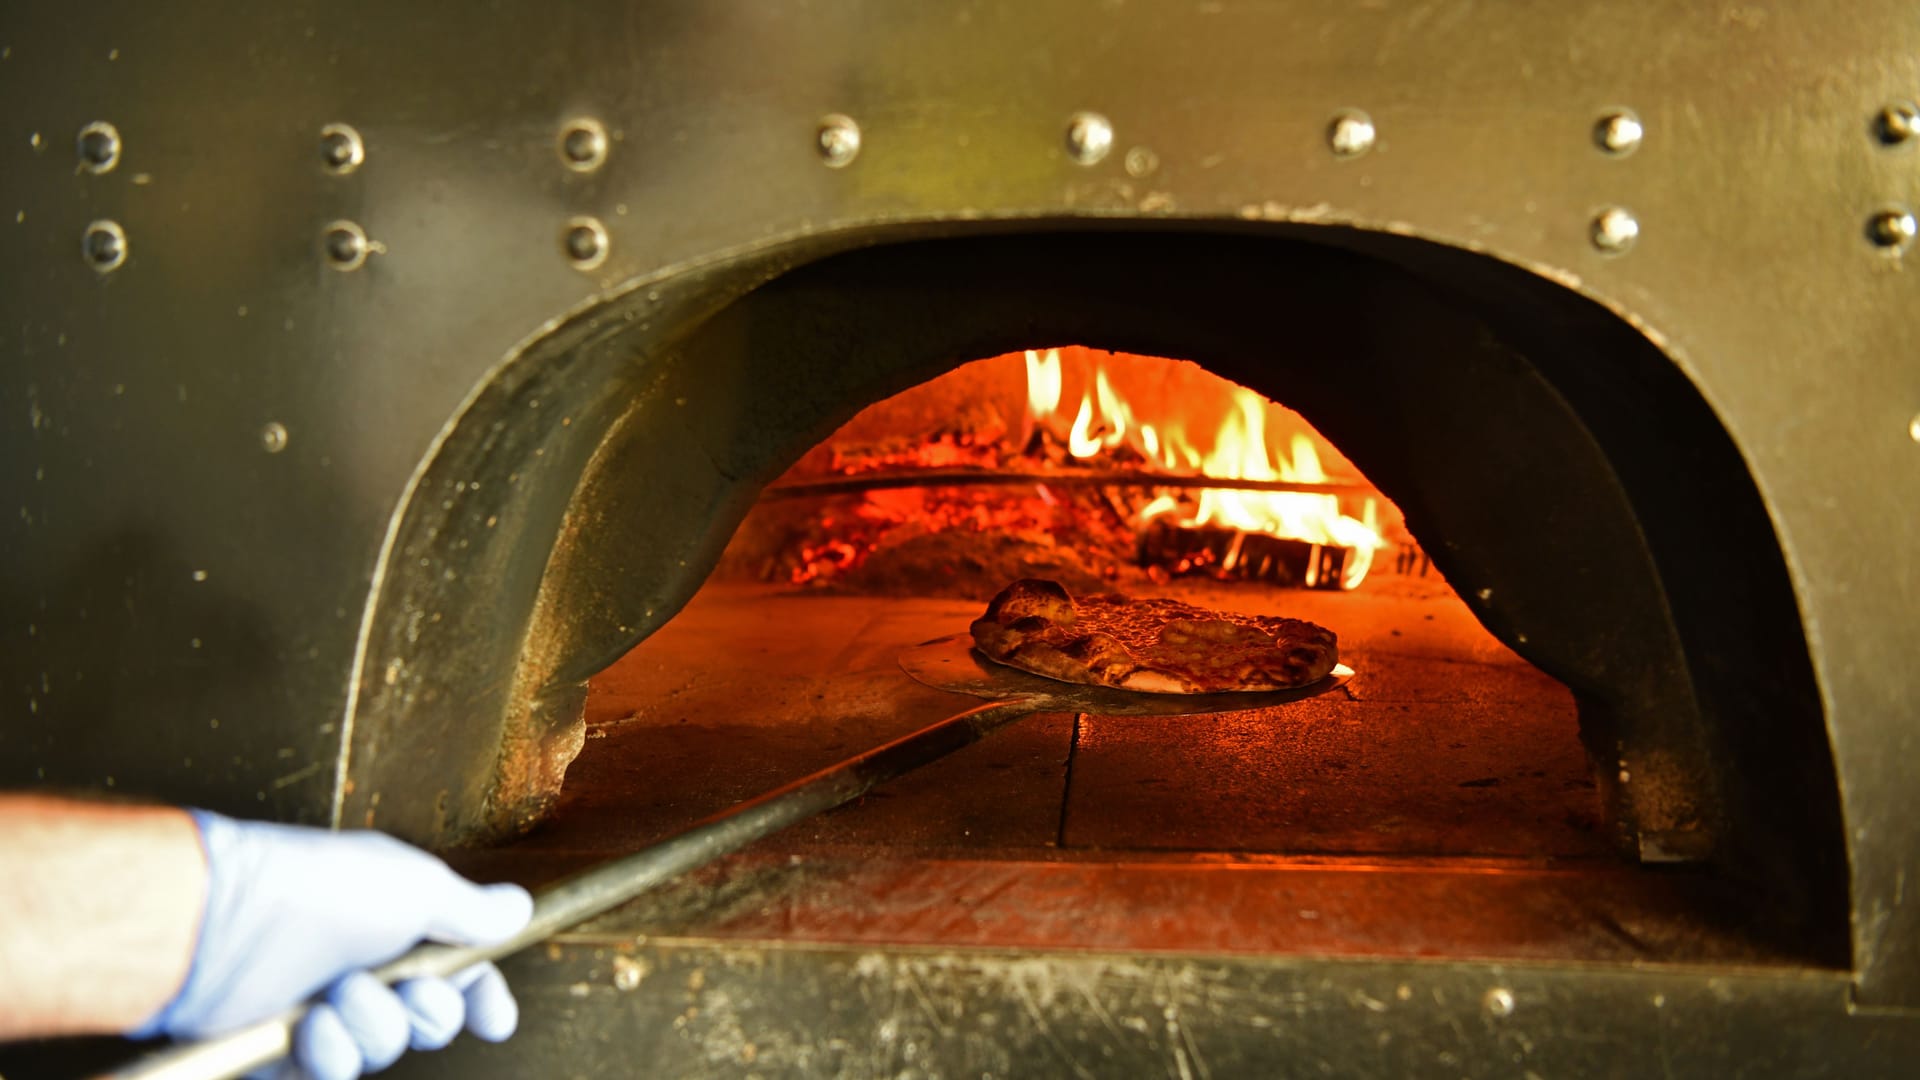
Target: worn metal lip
x=952 y=663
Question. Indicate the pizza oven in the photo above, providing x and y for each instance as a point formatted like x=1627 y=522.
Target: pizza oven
x=537 y=440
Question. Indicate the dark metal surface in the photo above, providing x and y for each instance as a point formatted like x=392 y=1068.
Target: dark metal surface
x=605 y=1005
x=952 y=663
x=275 y=529
x=602 y=1003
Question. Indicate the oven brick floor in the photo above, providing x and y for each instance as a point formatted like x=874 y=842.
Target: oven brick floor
x=1439 y=805
x=1443 y=744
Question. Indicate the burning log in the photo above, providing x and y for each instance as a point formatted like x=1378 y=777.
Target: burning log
x=1232 y=554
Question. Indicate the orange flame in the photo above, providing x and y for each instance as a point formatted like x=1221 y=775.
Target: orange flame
x=1043 y=383
x=1103 y=420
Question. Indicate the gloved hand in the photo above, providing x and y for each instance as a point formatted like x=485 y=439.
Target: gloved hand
x=292 y=910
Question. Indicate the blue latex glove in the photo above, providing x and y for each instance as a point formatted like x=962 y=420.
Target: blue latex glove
x=291 y=911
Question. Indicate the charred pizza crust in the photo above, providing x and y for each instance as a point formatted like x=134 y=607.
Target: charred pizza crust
x=1154 y=645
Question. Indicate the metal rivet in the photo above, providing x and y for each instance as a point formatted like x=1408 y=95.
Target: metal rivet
x=345 y=245
x=341 y=149
x=1141 y=162
x=1351 y=133
x=1499 y=1001
x=1898 y=121
x=105 y=245
x=1089 y=137
x=583 y=145
x=1615 y=229
x=99 y=147
x=838 y=140
x=1619 y=133
x=585 y=242
x=1913 y=427
x=1893 y=228
x=273 y=437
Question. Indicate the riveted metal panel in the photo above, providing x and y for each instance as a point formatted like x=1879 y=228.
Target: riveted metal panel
x=184 y=601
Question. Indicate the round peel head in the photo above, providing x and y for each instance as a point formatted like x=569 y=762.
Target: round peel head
x=952 y=663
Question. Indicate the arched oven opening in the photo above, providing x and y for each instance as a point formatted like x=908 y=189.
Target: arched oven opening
x=1613 y=652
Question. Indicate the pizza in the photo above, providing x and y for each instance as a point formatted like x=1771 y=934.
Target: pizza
x=1154 y=645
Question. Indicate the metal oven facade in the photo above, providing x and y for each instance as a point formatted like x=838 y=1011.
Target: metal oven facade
x=378 y=373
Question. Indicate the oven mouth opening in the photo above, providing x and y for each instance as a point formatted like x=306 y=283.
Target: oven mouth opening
x=1440 y=803
x=1637 y=814
x=1113 y=474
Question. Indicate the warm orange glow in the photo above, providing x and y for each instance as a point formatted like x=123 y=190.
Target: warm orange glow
x=1103 y=421
x=951 y=485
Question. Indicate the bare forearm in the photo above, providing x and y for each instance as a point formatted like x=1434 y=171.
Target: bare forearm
x=99 y=910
